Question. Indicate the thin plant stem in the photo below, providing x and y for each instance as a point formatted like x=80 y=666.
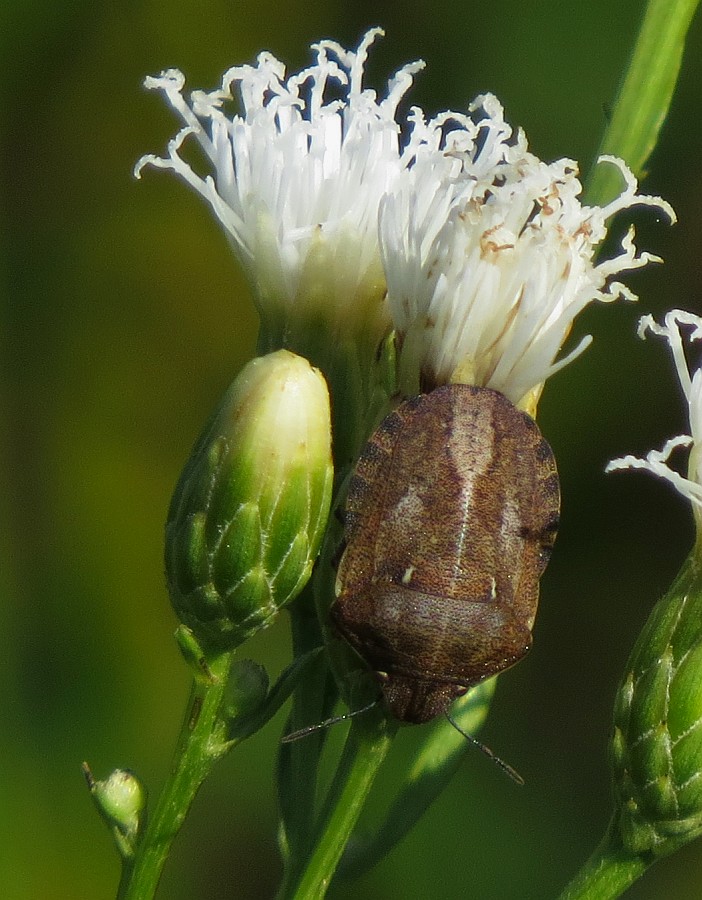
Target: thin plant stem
x=366 y=747
x=644 y=96
x=201 y=743
x=298 y=761
x=436 y=759
x=608 y=873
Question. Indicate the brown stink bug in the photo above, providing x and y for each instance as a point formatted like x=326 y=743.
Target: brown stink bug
x=451 y=515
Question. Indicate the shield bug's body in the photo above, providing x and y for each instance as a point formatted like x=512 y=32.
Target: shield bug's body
x=450 y=519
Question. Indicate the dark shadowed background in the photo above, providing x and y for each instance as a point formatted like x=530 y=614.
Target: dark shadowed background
x=125 y=318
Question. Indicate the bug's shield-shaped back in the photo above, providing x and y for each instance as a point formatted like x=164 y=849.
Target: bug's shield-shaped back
x=450 y=519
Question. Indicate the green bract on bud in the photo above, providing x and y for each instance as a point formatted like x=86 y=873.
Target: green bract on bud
x=121 y=801
x=657 y=742
x=248 y=514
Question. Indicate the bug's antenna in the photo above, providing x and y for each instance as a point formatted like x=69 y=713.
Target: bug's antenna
x=303 y=732
x=506 y=768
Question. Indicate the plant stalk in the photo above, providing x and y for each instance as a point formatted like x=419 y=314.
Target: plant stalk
x=608 y=872
x=366 y=747
x=644 y=96
x=201 y=743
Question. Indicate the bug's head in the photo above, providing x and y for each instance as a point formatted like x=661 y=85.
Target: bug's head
x=414 y=700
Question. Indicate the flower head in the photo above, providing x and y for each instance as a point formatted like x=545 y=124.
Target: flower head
x=248 y=514
x=489 y=254
x=298 y=173
x=331 y=201
x=657 y=461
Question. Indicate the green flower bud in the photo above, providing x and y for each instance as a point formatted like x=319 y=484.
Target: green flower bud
x=247 y=688
x=248 y=514
x=657 y=741
x=121 y=801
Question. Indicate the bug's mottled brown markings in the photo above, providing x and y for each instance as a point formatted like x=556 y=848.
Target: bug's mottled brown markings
x=451 y=515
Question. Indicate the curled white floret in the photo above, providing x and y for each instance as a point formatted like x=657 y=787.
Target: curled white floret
x=658 y=461
x=489 y=254
x=296 y=175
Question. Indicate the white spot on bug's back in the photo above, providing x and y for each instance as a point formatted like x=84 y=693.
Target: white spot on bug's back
x=408 y=573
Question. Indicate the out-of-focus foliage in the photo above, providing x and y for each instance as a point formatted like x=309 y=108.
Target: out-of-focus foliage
x=125 y=317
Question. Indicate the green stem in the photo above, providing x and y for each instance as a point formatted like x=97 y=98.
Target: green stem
x=201 y=743
x=298 y=762
x=366 y=747
x=608 y=873
x=644 y=96
x=435 y=760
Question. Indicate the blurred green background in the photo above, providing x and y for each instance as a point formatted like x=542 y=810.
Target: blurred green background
x=124 y=319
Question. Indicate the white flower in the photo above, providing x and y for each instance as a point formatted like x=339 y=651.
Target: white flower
x=657 y=461
x=489 y=254
x=298 y=173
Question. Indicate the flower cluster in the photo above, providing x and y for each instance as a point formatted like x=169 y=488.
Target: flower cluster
x=448 y=229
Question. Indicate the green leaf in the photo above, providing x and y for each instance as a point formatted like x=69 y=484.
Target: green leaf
x=644 y=96
x=436 y=760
